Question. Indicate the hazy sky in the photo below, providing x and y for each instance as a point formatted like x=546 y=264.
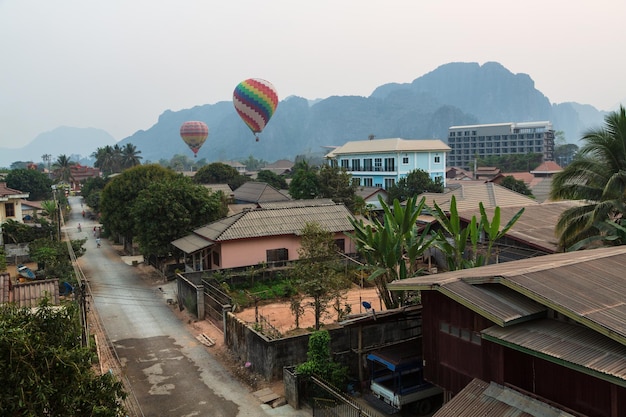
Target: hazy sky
x=118 y=64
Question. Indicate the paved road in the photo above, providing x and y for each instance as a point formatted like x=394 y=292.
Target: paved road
x=171 y=373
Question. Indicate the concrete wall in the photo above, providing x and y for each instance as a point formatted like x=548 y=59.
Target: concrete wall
x=269 y=357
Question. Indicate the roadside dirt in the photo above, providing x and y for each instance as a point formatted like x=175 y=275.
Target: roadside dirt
x=279 y=316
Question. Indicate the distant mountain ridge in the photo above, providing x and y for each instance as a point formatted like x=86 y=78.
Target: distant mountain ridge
x=452 y=94
x=62 y=140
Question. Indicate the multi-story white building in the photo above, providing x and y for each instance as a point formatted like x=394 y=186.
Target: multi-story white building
x=481 y=141
x=382 y=162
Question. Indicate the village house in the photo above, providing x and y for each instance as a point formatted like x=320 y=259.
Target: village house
x=10 y=205
x=383 y=162
x=548 y=329
x=267 y=234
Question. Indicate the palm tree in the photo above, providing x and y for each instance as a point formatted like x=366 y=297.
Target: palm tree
x=596 y=176
x=63 y=169
x=130 y=156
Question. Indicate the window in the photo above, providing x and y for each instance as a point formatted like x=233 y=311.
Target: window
x=356 y=181
x=405 y=160
x=378 y=163
x=9 y=209
x=390 y=164
x=356 y=165
x=216 y=258
x=341 y=245
x=277 y=256
x=389 y=182
x=367 y=182
x=367 y=164
x=344 y=163
x=437 y=159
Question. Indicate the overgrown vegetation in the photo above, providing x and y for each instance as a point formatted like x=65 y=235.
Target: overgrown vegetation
x=45 y=370
x=320 y=362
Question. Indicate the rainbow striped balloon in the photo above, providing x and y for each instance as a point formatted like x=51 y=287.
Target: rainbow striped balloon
x=255 y=100
x=194 y=134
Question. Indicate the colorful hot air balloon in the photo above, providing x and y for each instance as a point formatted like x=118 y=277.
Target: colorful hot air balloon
x=194 y=134
x=255 y=100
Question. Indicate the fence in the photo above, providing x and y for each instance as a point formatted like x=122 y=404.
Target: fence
x=215 y=301
x=326 y=401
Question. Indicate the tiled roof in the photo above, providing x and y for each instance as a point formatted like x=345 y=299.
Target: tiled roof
x=469 y=195
x=391 y=146
x=257 y=192
x=547 y=167
x=6 y=192
x=275 y=222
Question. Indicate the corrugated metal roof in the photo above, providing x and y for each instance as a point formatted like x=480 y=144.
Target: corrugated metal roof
x=390 y=146
x=191 y=243
x=496 y=302
x=559 y=342
x=469 y=195
x=480 y=398
x=587 y=286
x=536 y=226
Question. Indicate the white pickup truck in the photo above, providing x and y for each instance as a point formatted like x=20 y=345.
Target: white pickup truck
x=398 y=380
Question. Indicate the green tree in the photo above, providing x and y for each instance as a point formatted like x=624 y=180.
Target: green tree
x=219 y=173
x=107 y=159
x=416 y=182
x=391 y=247
x=305 y=182
x=36 y=183
x=53 y=256
x=120 y=193
x=129 y=156
x=596 y=176
x=317 y=273
x=320 y=361
x=518 y=186
x=465 y=247
x=45 y=371
x=335 y=183
x=513 y=162
x=62 y=169
x=189 y=205
x=272 y=179
x=3 y=259
x=253 y=164
x=91 y=191
x=564 y=154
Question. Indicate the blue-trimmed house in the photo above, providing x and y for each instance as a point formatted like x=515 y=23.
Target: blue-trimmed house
x=383 y=162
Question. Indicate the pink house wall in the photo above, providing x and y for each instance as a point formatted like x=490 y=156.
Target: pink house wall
x=245 y=252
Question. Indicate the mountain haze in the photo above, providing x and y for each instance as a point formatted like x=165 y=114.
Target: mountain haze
x=62 y=140
x=452 y=94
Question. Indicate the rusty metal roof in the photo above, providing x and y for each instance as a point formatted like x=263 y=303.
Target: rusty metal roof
x=556 y=341
x=496 y=302
x=536 y=225
x=586 y=286
x=480 y=398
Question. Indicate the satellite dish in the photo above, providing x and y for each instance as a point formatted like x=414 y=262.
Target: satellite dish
x=366 y=305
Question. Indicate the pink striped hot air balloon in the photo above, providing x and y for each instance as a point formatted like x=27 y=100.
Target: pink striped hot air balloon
x=194 y=134
x=255 y=101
